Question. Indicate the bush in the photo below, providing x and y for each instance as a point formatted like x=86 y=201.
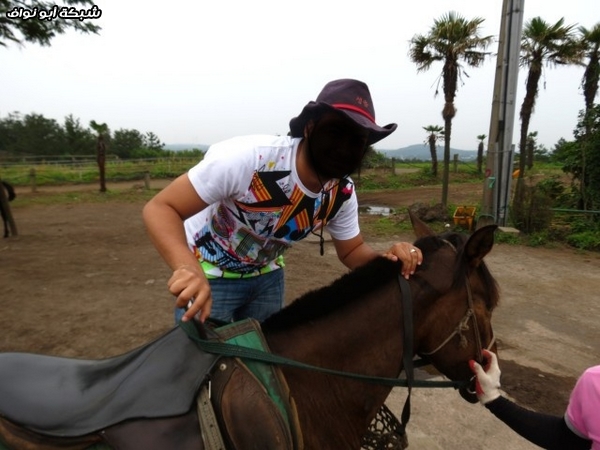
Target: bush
x=538 y=239
x=587 y=240
x=531 y=211
x=507 y=238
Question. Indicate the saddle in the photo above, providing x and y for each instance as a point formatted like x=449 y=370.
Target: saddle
x=147 y=398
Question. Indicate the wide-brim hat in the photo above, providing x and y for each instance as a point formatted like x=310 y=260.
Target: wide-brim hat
x=350 y=98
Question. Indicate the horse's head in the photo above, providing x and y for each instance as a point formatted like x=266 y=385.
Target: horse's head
x=459 y=294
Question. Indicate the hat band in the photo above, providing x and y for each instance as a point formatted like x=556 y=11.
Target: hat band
x=355 y=109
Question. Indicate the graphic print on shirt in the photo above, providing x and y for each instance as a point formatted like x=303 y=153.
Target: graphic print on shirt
x=253 y=231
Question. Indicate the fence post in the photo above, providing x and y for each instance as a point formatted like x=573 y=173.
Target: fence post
x=456 y=163
x=393 y=166
x=147 y=179
x=33 y=180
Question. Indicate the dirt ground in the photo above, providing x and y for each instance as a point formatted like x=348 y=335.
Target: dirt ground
x=83 y=280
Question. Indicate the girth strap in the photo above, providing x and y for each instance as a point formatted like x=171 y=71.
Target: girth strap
x=211 y=434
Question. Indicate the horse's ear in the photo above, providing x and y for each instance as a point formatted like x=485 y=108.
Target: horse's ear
x=419 y=227
x=479 y=244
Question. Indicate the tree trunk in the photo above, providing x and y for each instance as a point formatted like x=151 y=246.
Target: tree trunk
x=433 y=151
x=526 y=110
x=519 y=197
x=584 y=145
x=479 y=157
x=530 y=148
x=101 y=155
x=446 y=172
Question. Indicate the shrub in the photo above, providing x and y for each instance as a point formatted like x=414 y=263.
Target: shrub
x=507 y=238
x=532 y=211
x=587 y=240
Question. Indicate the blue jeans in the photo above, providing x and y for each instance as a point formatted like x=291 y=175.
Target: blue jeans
x=236 y=299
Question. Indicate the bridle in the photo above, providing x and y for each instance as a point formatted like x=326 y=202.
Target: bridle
x=463 y=325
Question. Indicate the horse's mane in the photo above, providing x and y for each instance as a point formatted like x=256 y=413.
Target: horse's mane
x=356 y=284
x=348 y=288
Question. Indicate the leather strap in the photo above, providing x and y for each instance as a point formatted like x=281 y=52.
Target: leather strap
x=236 y=351
x=408 y=344
x=209 y=427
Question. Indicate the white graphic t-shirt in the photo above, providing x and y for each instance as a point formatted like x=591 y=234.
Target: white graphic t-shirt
x=258 y=206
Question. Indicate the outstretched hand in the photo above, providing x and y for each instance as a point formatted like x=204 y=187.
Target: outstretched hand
x=487 y=383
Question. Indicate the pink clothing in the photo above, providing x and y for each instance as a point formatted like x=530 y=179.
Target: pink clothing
x=583 y=412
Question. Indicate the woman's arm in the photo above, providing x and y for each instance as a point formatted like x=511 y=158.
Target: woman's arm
x=547 y=431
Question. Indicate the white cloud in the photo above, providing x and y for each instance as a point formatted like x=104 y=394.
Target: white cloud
x=199 y=72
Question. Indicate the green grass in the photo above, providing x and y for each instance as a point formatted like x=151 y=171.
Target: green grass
x=77 y=172
x=53 y=174
x=377 y=179
x=370 y=179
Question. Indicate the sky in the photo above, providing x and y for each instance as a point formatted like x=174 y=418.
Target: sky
x=198 y=72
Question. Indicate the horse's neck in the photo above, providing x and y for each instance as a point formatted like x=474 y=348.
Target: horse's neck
x=364 y=337
x=348 y=337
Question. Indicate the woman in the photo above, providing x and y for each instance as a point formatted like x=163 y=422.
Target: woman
x=578 y=429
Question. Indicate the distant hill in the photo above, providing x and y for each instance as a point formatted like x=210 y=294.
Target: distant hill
x=180 y=147
x=416 y=151
x=421 y=152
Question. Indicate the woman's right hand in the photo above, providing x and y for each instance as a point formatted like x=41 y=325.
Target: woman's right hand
x=487 y=385
x=191 y=289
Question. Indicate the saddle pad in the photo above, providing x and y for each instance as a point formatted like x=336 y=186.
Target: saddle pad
x=59 y=396
x=247 y=333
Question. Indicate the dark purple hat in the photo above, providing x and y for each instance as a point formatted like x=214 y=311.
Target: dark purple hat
x=349 y=97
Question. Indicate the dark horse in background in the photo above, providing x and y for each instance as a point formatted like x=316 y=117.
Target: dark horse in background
x=353 y=325
x=10 y=197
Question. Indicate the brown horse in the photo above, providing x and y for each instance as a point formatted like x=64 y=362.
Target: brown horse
x=354 y=325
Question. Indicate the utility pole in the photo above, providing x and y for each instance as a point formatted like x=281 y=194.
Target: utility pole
x=500 y=155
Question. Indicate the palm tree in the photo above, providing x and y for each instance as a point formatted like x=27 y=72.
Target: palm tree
x=452 y=38
x=541 y=44
x=434 y=133
x=590 y=40
x=530 y=148
x=480 y=138
x=102 y=130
